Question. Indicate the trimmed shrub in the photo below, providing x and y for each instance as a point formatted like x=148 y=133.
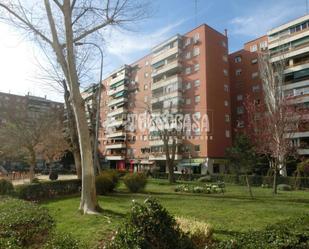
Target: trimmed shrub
x=23 y=223
x=106 y=182
x=284 y=187
x=200 y=233
x=47 y=190
x=53 y=176
x=150 y=226
x=62 y=241
x=135 y=182
x=205 y=188
x=6 y=187
x=289 y=234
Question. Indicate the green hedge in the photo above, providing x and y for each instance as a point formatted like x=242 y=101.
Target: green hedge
x=47 y=190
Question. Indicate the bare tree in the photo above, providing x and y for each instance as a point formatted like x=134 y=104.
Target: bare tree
x=69 y=22
x=26 y=138
x=273 y=122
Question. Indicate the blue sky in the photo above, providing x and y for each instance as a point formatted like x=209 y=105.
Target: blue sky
x=244 y=19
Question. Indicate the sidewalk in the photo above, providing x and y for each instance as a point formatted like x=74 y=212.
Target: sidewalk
x=43 y=177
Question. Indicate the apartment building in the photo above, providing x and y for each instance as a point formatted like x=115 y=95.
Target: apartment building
x=185 y=75
x=246 y=84
x=289 y=44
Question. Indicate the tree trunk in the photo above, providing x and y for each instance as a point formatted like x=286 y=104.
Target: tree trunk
x=249 y=186
x=275 y=182
x=170 y=167
x=78 y=163
x=88 y=202
x=32 y=165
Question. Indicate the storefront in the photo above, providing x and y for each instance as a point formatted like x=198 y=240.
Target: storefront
x=190 y=166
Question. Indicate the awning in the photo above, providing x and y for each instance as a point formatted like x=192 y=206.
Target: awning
x=119 y=83
x=120 y=94
x=188 y=164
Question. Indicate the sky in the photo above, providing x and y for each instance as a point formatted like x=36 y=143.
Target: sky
x=244 y=20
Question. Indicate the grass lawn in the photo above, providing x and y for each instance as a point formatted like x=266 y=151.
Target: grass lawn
x=228 y=213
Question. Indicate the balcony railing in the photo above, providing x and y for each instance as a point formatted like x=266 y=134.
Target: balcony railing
x=166 y=96
x=175 y=64
x=117 y=111
x=116 y=145
x=164 y=54
x=116 y=90
x=166 y=81
x=117 y=101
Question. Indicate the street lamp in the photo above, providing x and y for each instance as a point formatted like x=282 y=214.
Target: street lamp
x=95 y=144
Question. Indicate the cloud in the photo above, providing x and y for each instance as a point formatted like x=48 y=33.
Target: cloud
x=259 y=20
x=124 y=44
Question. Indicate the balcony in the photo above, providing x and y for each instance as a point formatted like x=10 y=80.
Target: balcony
x=165 y=53
x=119 y=145
x=166 y=96
x=165 y=82
x=173 y=65
x=303 y=151
x=162 y=156
x=116 y=123
x=117 y=90
x=117 y=101
x=118 y=111
x=159 y=142
x=296 y=68
x=120 y=77
x=114 y=158
x=289 y=52
x=279 y=41
x=113 y=134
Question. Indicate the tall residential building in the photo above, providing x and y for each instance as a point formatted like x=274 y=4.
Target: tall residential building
x=185 y=75
x=288 y=43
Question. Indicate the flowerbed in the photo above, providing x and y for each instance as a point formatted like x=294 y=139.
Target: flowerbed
x=204 y=188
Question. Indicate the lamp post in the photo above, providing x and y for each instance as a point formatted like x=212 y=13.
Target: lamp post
x=95 y=144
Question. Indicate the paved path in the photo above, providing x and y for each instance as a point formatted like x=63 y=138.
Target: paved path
x=44 y=177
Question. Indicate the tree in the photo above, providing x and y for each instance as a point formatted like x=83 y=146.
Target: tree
x=69 y=22
x=273 y=122
x=27 y=137
x=242 y=157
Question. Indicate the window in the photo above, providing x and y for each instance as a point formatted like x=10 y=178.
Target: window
x=197 y=115
x=227 y=133
x=196 y=67
x=197 y=99
x=239 y=97
x=263 y=45
x=238 y=72
x=196 y=148
x=225 y=72
x=188 y=55
x=227 y=118
x=146 y=99
x=226 y=88
x=196 y=83
x=188 y=85
x=224 y=58
x=254 y=61
x=255 y=75
x=255 y=88
x=196 y=37
x=240 y=124
x=226 y=103
x=196 y=51
x=253 y=48
x=240 y=110
x=224 y=44
x=144 y=138
x=146 y=75
x=145 y=86
x=237 y=59
x=188 y=41
x=188 y=70
x=188 y=101
x=147 y=63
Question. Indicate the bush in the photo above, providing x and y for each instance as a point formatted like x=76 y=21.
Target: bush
x=284 y=187
x=200 y=233
x=106 y=182
x=23 y=224
x=150 y=226
x=135 y=182
x=62 y=241
x=289 y=234
x=47 y=190
x=53 y=176
x=6 y=187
